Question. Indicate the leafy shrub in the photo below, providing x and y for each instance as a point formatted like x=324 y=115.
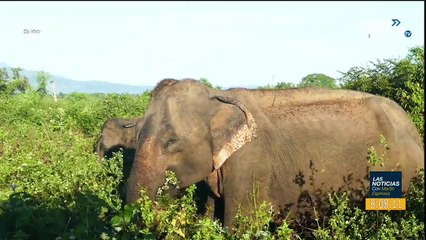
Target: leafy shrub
x=401 y=80
x=350 y=222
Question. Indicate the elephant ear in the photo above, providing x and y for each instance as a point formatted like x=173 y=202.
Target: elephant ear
x=232 y=126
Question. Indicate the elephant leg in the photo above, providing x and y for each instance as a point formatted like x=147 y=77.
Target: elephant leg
x=232 y=201
x=219 y=209
x=203 y=200
x=244 y=191
x=229 y=212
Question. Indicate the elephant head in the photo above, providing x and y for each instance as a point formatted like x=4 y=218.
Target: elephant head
x=188 y=129
x=117 y=133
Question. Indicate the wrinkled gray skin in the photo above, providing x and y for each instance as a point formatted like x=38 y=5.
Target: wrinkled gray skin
x=292 y=146
x=121 y=133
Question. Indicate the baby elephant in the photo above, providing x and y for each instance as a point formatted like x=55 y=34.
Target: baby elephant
x=118 y=133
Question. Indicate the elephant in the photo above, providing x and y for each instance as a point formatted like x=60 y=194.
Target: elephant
x=117 y=133
x=121 y=133
x=288 y=147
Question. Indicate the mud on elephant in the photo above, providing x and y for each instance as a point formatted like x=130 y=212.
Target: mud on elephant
x=296 y=144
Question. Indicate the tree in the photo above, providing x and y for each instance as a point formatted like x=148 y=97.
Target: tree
x=16 y=73
x=42 y=78
x=280 y=85
x=318 y=80
x=18 y=83
x=401 y=80
x=209 y=85
x=206 y=82
x=374 y=79
x=411 y=71
x=18 y=86
x=284 y=85
x=4 y=78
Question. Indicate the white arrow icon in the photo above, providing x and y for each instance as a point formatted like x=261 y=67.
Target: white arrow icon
x=396 y=22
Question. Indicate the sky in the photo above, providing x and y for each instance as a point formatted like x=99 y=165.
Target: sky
x=229 y=43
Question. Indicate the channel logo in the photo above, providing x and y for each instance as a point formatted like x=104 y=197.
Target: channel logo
x=385 y=192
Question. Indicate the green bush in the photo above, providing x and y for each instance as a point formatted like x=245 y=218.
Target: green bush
x=350 y=222
x=401 y=80
x=51 y=183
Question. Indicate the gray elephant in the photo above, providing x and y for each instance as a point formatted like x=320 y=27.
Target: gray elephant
x=291 y=146
x=117 y=133
x=120 y=133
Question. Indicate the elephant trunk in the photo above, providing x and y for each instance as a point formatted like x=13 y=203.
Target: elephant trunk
x=145 y=173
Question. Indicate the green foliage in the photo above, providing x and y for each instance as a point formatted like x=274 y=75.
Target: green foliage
x=401 y=80
x=51 y=183
x=209 y=85
x=413 y=101
x=4 y=78
x=175 y=218
x=14 y=84
x=318 y=80
x=284 y=85
x=376 y=79
x=311 y=80
x=47 y=190
x=254 y=223
x=89 y=111
x=42 y=78
x=280 y=85
x=285 y=232
x=206 y=82
x=416 y=195
x=373 y=157
x=351 y=222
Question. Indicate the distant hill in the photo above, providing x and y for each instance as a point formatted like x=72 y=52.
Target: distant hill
x=66 y=85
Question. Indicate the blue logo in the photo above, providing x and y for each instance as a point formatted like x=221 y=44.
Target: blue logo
x=385 y=185
x=408 y=33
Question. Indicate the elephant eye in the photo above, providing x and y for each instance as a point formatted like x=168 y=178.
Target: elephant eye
x=170 y=142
